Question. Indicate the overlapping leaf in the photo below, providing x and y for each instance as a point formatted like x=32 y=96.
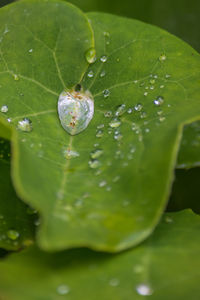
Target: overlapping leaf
x=139 y=66
x=166 y=266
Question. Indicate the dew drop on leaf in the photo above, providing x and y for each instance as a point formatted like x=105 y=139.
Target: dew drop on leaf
x=90 y=55
x=103 y=58
x=114 y=123
x=63 y=289
x=96 y=153
x=99 y=133
x=106 y=93
x=162 y=57
x=138 y=107
x=75 y=110
x=94 y=164
x=144 y=290
x=69 y=154
x=121 y=109
x=4 y=109
x=90 y=74
x=158 y=101
x=25 y=125
x=114 y=282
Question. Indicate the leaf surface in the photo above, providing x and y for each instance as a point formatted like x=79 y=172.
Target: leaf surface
x=166 y=266
x=118 y=204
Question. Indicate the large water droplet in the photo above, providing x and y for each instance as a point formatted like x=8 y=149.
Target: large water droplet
x=25 y=125
x=90 y=55
x=144 y=290
x=75 y=110
x=4 y=109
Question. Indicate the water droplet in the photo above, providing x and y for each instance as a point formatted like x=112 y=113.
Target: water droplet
x=13 y=234
x=90 y=74
x=143 y=115
x=99 y=133
x=130 y=110
x=114 y=123
x=168 y=220
x=90 y=55
x=151 y=87
x=4 y=109
x=145 y=93
x=162 y=57
x=6 y=30
x=162 y=119
x=108 y=189
x=94 y=164
x=114 y=282
x=25 y=125
x=158 y=101
x=100 y=126
x=106 y=93
x=118 y=136
x=138 y=107
x=135 y=81
x=103 y=73
x=138 y=269
x=116 y=178
x=63 y=289
x=102 y=183
x=108 y=114
x=121 y=109
x=76 y=110
x=147 y=130
x=167 y=76
x=152 y=81
x=30 y=50
x=16 y=77
x=9 y=120
x=144 y=290
x=37 y=222
x=96 y=153
x=162 y=86
x=69 y=154
x=103 y=59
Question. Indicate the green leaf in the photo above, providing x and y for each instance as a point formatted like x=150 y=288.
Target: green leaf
x=167 y=266
x=118 y=204
x=16 y=223
x=189 y=153
x=185 y=192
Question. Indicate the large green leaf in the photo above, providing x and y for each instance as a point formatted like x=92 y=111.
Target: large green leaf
x=118 y=204
x=16 y=219
x=167 y=266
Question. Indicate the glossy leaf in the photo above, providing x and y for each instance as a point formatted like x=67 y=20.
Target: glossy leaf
x=16 y=219
x=166 y=266
x=115 y=201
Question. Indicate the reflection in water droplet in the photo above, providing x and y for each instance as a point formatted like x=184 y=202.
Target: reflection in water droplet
x=13 y=234
x=106 y=93
x=63 y=289
x=69 y=154
x=4 y=109
x=90 y=55
x=129 y=110
x=94 y=164
x=138 y=107
x=158 y=101
x=144 y=290
x=103 y=58
x=115 y=123
x=96 y=153
x=25 y=125
x=75 y=110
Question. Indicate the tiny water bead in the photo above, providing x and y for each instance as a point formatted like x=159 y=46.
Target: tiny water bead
x=138 y=107
x=69 y=154
x=162 y=57
x=16 y=77
x=144 y=290
x=96 y=153
x=99 y=133
x=114 y=123
x=158 y=101
x=94 y=163
x=121 y=109
x=90 y=74
x=114 y=282
x=102 y=74
x=102 y=183
x=13 y=234
x=63 y=289
x=90 y=55
x=75 y=110
x=103 y=59
x=108 y=114
x=106 y=93
x=4 y=109
x=25 y=125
